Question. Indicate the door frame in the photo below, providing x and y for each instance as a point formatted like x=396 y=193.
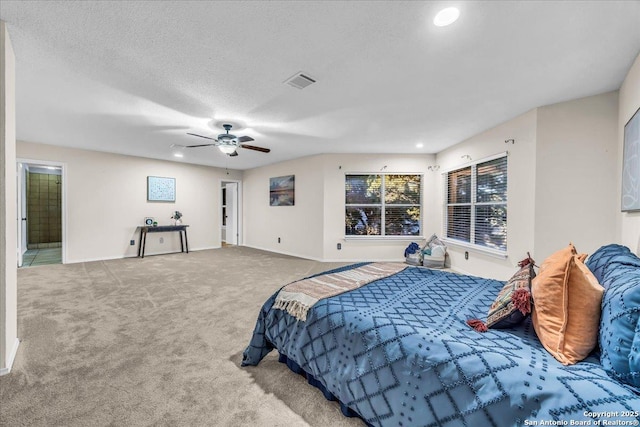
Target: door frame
x=238 y=207
x=63 y=171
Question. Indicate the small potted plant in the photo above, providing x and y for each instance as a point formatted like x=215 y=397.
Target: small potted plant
x=176 y=218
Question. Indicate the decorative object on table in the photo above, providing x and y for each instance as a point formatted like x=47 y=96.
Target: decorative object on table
x=155 y=223
x=631 y=165
x=176 y=218
x=148 y=221
x=282 y=191
x=161 y=189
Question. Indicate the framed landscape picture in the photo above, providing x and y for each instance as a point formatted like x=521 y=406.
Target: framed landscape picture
x=161 y=189
x=631 y=165
x=282 y=190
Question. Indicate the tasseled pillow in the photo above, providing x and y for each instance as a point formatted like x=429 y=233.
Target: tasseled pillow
x=513 y=303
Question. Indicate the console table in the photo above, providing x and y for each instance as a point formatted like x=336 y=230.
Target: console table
x=184 y=243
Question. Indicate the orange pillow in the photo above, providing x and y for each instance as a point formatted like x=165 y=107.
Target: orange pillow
x=566 y=306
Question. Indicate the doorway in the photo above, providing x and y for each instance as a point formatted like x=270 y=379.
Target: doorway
x=40 y=213
x=230 y=213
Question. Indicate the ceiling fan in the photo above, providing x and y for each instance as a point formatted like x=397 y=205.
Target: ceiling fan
x=227 y=143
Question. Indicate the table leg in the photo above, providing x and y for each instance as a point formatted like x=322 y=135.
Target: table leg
x=144 y=243
x=140 y=243
x=181 y=244
x=185 y=240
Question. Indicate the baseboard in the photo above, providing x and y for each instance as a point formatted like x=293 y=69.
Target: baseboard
x=136 y=255
x=12 y=357
x=364 y=260
x=205 y=248
x=460 y=271
x=326 y=260
x=284 y=253
x=77 y=261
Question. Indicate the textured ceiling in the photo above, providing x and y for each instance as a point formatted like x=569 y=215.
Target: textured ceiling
x=134 y=77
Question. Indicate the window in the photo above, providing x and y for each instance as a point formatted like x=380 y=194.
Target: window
x=383 y=205
x=476 y=208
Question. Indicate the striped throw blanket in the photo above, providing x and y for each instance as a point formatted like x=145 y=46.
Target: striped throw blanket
x=298 y=297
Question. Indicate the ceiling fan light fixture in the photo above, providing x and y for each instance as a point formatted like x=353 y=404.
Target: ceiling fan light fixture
x=446 y=17
x=227 y=149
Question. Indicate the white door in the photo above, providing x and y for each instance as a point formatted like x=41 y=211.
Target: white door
x=22 y=211
x=232 y=213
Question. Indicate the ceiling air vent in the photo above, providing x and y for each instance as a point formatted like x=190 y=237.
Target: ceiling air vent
x=299 y=80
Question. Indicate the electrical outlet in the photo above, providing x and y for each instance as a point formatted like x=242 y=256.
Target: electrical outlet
x=466 y=254
x=339 y=246
x=278 y=240
x=132 y=242
x=162 y=240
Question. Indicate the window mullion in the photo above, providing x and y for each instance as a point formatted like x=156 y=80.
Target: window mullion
x=445 y=207
x=383 y=208
x=472 y=226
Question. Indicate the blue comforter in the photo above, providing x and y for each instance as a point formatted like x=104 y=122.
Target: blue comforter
x=398 y=352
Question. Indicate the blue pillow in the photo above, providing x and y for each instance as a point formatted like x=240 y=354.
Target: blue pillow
x=618 y=270
x=603 y=258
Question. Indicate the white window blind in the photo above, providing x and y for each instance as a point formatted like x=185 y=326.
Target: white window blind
x=383 y=205
x=476 y=204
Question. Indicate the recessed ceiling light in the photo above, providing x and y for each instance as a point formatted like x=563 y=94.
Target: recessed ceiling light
x=419 y=145
x=446 y=17
x=178 y=155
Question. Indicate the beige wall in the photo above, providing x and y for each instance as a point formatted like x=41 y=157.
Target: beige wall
x=315 y=225
x=299 y=227
x=576 y=182
x=629 y=102
x=561 y=185
x=560 y=190
x=105 y=201
x=8 y=207
x=335 y=167
x=521 y=187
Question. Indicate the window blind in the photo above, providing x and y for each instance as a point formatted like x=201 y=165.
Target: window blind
x=476 y=208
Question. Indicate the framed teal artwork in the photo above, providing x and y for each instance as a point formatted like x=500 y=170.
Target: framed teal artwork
x=160 y=189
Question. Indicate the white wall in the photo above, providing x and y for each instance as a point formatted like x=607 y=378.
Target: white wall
x=106 y=201
x=8 y=206
x=629 y=101
x=335 y=167
x=299 y=227
x=315 y=225
x=521 y=187
x=576 y=159
x=561 y=186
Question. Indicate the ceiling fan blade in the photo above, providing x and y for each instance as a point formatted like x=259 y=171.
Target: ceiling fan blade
x=253 y=147
x=245 y=139
x=200 y=136
x=199 y=145
x=235 y=153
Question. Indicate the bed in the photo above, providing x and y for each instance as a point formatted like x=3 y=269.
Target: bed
x=398 y=352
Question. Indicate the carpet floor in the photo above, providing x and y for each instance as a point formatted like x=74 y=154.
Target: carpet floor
x=155 y=341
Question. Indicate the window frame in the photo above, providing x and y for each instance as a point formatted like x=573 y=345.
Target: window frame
x=473 y=204
x=382 y=205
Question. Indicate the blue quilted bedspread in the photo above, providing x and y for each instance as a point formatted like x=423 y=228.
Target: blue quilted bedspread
x=398 y=352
